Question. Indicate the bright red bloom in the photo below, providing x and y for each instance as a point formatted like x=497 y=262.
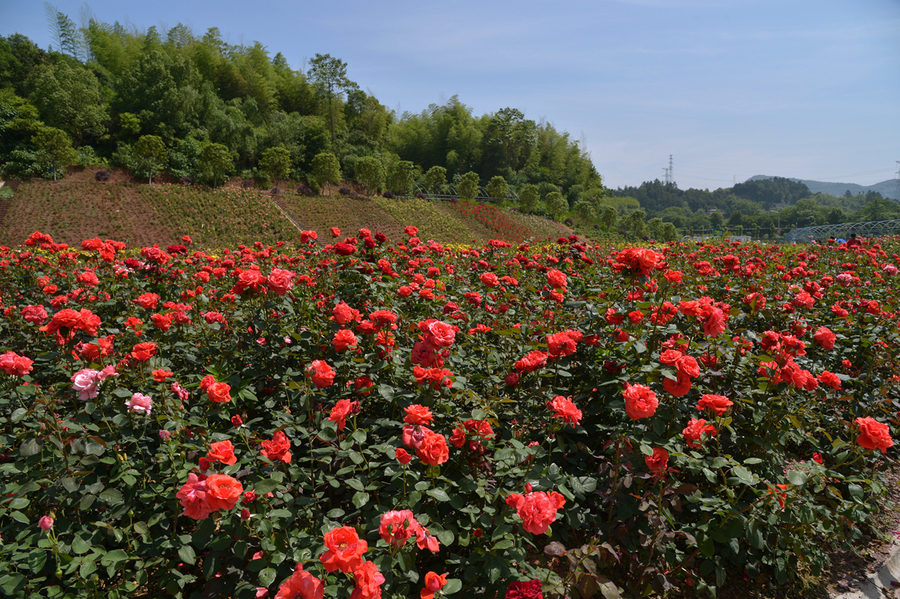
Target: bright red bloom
x=433 y=583
x=556 y=278
x=321 y=373
x=222 y=491
x=397 y=526
x=489 y=279
x=658 y=463
x=693 y=432
x=418 y=414
x=344 y=339
x=873 y=434
x=280 y=281
x=143 y=351
x=368 y=582
x=301 y=585
x=341 y=410
x=531 y=362
x=278 y=449
x=160 y=375
x=830 y=379
x=147 y=301
x=717 y=403
x=219 y=392
x=564 y=408
x=433 y=449
x=402 y=456
x=537 y=509
x=222 y=451
x=825 y=337
x=14 y=364
x=640 y=401
x=345 y=550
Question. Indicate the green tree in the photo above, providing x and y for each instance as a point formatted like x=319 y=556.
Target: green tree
x=326 y=169
x=529 y=197
x=68 y=98
x=609 y=217
x=468 y=186
x=215 y=161
x=585 y=211
x=556 y=203
x=669 y=232
x=275 y=163
x=635 y=222
x=149 y=156
x=716 y=220
x=370 y=172
x=55 y=146
x=330 y=76
x=435 y=179
x=655 y=226
x=497 y=188
x=402 y=177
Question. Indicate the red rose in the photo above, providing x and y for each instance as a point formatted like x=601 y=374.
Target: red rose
x=717 y=403
x=219 y=392
x=659 y=461
x=222 y=491
x=564 y=409
x=222 y=451
x=143 y=351
x=342 y=410
x=693 y=432
x=344 y=339
x=417 y=414
x=529 y=589
x=321 y=373
x=433 y=450
x=873 y=434
x=825 y=337
x=345 y=550
x=640 y=401
x=537 y=509
x=278 y=449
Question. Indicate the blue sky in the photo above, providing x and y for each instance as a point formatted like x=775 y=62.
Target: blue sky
x=729 y=88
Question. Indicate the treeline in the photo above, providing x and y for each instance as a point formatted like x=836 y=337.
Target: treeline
x=196 y=106
x=757 y=207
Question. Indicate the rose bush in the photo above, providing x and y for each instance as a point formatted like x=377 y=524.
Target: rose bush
x=294 y=439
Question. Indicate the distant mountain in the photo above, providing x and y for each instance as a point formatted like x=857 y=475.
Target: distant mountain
x=887 y=189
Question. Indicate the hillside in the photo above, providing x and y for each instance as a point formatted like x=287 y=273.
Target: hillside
x=78 y=207
x=887 y=188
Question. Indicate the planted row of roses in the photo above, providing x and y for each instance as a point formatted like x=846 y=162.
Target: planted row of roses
x=360 y=418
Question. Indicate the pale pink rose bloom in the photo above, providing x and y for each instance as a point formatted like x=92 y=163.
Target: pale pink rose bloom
x=140 y=403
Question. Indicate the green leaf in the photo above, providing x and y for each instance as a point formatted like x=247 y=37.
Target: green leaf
x=452 y=585
x=265 y=486
x=267 y=577
x=17 y=415
x=360 y=498
x=744 y=475
x=112 y=496
x=19 y=517
x=115 y=556
x=796 y=477
x=438 y=494
x=80 y=546
x=187 y=555
x=29 y=447
x=18 y=503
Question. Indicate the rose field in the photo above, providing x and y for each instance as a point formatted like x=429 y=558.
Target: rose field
x=368 y=417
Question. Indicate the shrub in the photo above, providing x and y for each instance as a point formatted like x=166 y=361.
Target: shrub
x=186 y=180
x=305 y=190
x=569 y=222
x=102 y=175
x=388 y=194
x=248 y=184
x=421 y=196
x=344 y=191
